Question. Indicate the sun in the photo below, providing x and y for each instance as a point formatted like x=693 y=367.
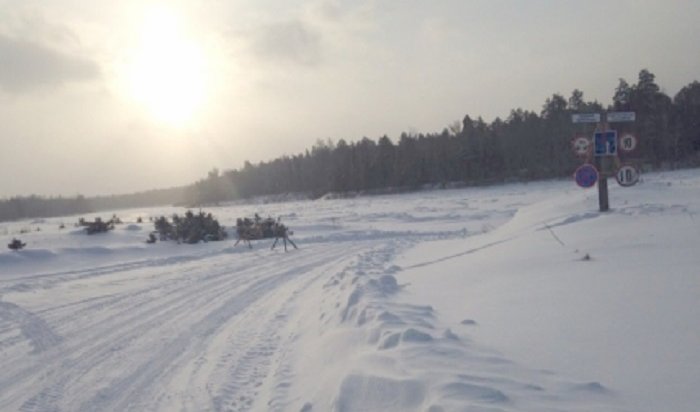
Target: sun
x=166 y=70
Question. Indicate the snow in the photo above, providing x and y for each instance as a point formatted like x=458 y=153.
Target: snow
x=519 y=297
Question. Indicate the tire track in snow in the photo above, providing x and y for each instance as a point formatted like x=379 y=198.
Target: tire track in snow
x=33 y=328
x=95 y=330
x=126 y=391
x=65 y=314
x=129 y=391
x=106 y=335
x=50 y=279
x=266 y=359
x=127 y=321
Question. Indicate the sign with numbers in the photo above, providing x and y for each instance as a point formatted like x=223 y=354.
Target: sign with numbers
x=628 y=142
x=605 y=143
x=627 y=176
x=604 y=146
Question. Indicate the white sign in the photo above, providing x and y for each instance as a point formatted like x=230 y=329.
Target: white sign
x=616 y=117
x=581 y=145
x=628 y=142
x=585 y=118
x=627 y=176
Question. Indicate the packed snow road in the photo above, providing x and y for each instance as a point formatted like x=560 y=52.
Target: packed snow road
x=197 y=334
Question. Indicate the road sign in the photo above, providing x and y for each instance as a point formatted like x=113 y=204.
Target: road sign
x=627 y=176
x=628 y=142
x=617 y=117
x=605 y=143
x=581 y=145
x=585 y=118
x=586 y=175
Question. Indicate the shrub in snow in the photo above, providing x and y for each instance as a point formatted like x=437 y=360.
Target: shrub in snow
x=164 y=229
x=16 y=244
x=190 y=228
x=98 y=226
x=256 y=228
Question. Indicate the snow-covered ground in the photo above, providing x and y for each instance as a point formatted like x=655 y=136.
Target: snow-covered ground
x=513 y=298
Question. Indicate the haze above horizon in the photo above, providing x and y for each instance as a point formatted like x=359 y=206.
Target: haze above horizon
x=102 y=97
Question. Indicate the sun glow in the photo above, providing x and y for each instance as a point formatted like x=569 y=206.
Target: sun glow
x=166 y=73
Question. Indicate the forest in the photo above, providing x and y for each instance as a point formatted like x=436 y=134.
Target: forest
x=525 y=146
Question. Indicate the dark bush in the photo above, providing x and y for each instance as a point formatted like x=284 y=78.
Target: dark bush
x=98 y=226
x=190 y=228
x=16 y=244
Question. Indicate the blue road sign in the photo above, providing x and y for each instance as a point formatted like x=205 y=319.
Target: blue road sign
x=586 y=175
x=605 y=143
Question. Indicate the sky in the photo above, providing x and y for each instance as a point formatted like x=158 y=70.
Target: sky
x=104 y=97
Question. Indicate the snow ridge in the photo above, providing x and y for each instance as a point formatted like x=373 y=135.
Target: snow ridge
x=409 y=362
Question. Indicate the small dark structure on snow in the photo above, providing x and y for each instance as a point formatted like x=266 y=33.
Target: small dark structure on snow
x=16 y=244
x=258 y=228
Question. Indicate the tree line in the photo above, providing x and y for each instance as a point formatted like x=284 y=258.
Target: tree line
x=525 y=146
x=23 y=207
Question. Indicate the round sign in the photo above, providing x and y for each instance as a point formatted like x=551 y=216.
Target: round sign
x=586 y=175
x=628 y=142
x=581 y=145
x=627 y=175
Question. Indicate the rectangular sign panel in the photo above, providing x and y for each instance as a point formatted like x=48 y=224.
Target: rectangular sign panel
x=605 y=143
x=585 y=118
x=621 y=117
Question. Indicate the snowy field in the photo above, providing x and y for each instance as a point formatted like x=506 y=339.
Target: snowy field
x=513 y=298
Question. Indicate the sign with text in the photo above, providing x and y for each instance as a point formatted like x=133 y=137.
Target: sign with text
x=618 y=117
x=585 y=117
x=605 y=143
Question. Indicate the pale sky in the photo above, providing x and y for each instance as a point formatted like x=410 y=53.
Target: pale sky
x=100 y=97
